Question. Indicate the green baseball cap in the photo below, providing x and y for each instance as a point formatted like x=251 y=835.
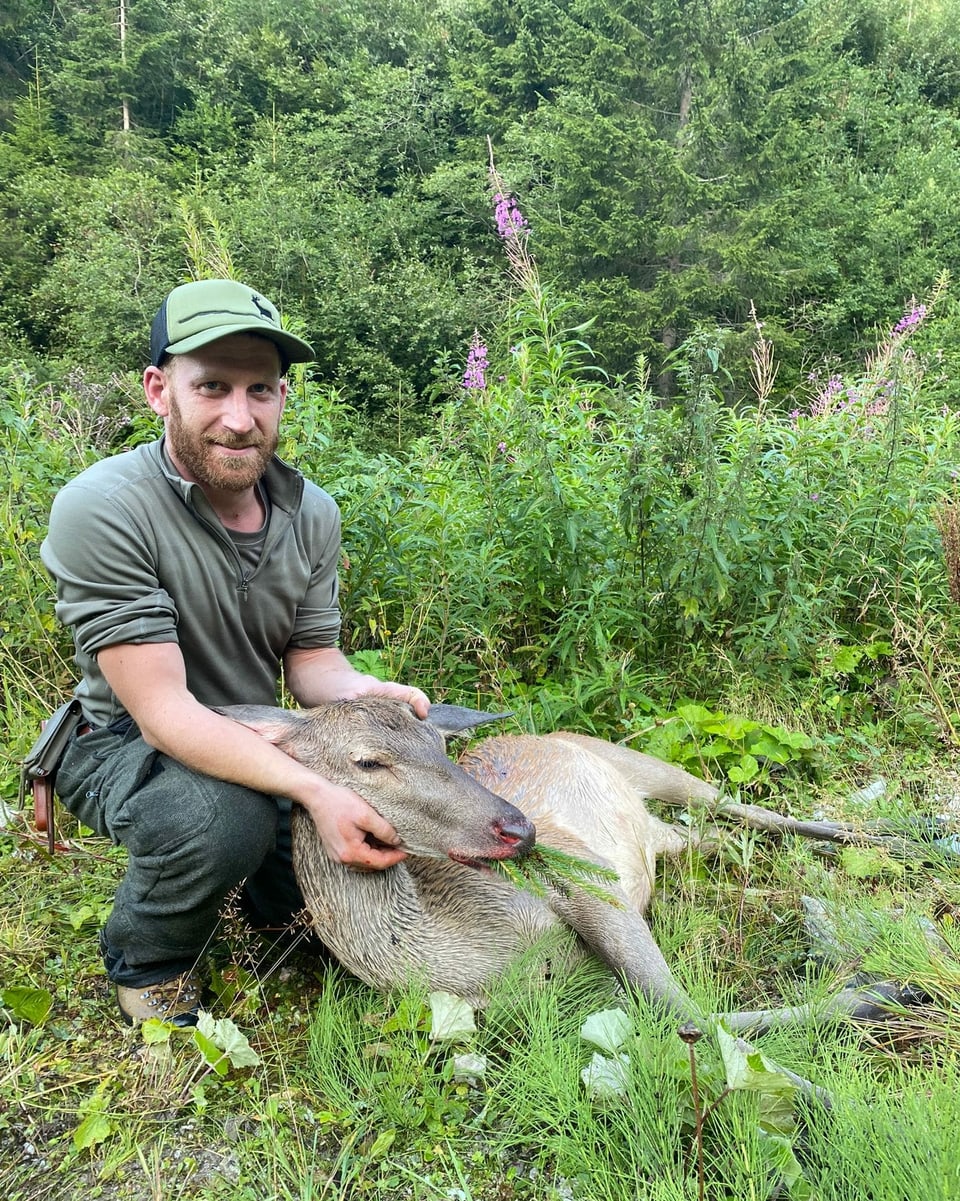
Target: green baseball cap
x=207 y=309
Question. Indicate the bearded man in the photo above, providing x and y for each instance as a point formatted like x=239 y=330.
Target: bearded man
x=193 y=571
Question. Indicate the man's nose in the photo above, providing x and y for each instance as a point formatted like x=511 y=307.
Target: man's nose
x=236 y=414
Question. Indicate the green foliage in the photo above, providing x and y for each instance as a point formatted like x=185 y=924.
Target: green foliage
x=721 y=746
x=545 y=868
x=557 y=538
x=47 y=434
x=557 y=530
x=27 y=1004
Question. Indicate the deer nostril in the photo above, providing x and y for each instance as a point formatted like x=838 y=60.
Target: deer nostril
x=520 y=833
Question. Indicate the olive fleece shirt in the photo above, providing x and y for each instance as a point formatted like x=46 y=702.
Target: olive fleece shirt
x=139 y=555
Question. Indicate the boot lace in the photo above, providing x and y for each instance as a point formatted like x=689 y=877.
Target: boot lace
x=177 y=995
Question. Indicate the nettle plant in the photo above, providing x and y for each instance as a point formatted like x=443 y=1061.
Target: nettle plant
x=721 y=746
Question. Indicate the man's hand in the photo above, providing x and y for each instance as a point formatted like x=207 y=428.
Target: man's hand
x=371 y=686
x=318 y=675
x=351 y=831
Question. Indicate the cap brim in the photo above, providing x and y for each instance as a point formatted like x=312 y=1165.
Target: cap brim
x=295 y=349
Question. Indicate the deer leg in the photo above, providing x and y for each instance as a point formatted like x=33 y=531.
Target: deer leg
x=620 y=936
x=869 y=1003
x=756 y=817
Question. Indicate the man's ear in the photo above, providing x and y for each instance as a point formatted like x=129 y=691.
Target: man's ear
x=155 y=390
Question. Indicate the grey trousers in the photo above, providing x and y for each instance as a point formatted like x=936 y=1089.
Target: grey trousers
x=190 y=839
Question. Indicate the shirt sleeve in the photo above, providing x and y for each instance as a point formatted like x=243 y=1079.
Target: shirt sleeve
x=107 y=585
x=318 y=619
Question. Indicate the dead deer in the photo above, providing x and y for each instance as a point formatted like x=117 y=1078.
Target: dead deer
x=441 y=917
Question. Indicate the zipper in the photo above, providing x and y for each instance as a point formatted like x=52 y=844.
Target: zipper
x=217 y=530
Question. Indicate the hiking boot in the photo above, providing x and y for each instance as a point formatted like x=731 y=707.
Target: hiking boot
x=176 y=1001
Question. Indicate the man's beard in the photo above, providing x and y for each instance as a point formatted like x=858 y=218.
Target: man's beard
x=198 y=454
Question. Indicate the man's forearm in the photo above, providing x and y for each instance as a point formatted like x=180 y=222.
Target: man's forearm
x=316 y=677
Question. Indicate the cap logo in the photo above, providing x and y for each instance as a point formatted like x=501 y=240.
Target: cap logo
x=258 y=301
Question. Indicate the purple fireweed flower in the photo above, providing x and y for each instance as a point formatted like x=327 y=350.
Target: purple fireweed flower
x=475 y=375
x=825 y=402
x=910 y=319
x=511 y=223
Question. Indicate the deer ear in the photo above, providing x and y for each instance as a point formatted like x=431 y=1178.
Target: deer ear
x=276 y=725
x=452 y=720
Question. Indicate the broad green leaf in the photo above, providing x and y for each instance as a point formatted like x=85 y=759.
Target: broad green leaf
x=606 y=1079
x=608 y=1029
x=694 y=715
x=780 y=1155
x=451 y=1018
x=734 y=728
x=213 y=1054
x=771 y=748
x=94 y=1128
x=29 y=1004
x=154 y=1030
x=95 y=1125
x=224 y=1034
x=469 y=1068
x=750 y=1070
x=382 y=1144
x=746 y=1067
x=845 y=661
x=744 y=771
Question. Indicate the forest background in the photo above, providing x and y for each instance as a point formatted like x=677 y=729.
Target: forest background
x=677 y=160
x=649 y=431
x=702 y=185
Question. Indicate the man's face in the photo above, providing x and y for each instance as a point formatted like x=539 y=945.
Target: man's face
x=221 y=407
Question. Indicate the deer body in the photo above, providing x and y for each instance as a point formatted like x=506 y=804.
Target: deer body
x=432 y=922
x=441 y=918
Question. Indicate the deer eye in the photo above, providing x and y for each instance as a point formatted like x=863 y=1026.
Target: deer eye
x=368 y=764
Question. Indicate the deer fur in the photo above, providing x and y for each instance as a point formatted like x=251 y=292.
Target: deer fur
x=441 y=917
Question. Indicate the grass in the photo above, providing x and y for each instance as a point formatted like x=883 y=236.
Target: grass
x=350 y=1096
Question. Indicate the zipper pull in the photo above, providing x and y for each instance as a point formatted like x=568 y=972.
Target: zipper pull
x=243 y=588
